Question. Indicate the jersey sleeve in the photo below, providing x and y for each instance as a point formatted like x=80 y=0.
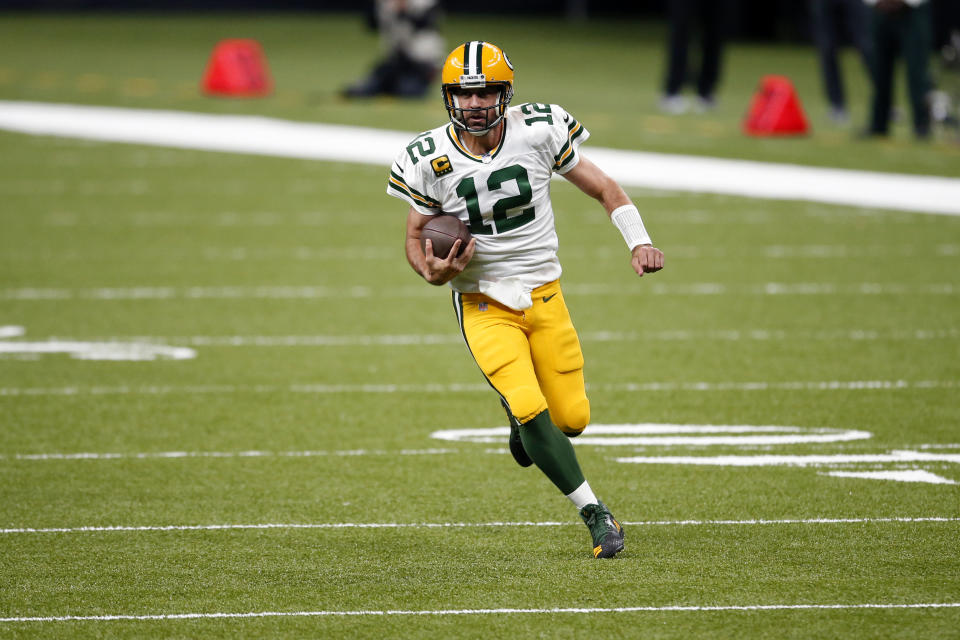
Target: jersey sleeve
x=406 y=181
x=566 y=136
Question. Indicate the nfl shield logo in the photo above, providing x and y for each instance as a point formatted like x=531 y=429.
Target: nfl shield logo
x=482 y=306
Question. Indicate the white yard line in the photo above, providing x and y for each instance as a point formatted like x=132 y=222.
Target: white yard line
x=795 y=460
x=273 y=137
x=484 y=612
x=420 y=339
x=387 y=253
x=673 y=435
x=897 y=475
x=826 y=385
x=474 y=525
x=176 y=455
x=309 y=292
x=481 y=612
x=312 y=219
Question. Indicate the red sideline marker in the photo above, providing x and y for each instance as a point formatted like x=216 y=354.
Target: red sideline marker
x=775 y=110
x=237 y=68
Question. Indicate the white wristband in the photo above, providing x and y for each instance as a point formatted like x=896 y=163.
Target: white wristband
x=627 y=219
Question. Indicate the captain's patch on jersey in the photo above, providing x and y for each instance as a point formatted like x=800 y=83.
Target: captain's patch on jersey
x=441 y=165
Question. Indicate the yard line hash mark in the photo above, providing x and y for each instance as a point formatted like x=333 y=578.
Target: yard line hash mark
x=315 y=292
x=419 y=339
x=480 y=612
x=824 y=385
x=367 y=252
x=471 y=525
x=223 y=454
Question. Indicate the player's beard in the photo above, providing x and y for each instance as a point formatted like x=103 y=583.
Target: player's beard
x=486 y=127
x=489 y=115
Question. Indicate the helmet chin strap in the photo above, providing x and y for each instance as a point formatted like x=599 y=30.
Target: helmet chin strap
x=475 y=132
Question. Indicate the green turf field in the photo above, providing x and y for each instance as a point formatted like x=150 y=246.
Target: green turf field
x=220 y=495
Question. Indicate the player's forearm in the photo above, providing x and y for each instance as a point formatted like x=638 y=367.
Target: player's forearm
x=612 y=196
x=415 y=257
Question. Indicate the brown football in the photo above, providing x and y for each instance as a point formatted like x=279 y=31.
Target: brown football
x=443 y=230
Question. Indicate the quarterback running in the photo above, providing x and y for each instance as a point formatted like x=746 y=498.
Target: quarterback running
x=491 y=166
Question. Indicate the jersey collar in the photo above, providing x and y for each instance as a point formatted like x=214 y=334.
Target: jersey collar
x=459 y=146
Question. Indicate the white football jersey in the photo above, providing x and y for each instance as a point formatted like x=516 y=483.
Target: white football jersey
x=503 y=197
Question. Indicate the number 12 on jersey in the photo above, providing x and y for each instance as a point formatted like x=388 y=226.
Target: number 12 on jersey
x=467 y=189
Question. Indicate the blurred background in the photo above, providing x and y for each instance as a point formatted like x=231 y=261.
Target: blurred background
x=751 y=19
x=678 y=76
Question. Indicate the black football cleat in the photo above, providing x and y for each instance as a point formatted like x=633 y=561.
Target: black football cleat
x=606 y=532
x=516 y=444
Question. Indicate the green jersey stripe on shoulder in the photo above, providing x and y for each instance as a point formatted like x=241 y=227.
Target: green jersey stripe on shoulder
x=412 y=195
x=398 y=180
x=562 y=163
x=576 y=131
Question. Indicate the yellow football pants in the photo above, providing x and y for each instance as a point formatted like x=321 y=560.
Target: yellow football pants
x=532 y=358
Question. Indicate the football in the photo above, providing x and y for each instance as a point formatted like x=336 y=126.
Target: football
x=443 y=230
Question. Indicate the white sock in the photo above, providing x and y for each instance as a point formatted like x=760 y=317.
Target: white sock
x=582 y=496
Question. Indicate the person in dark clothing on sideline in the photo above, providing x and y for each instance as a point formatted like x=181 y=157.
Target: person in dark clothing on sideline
x=827 y=19
x=712 y=16
x=412 y=50
x=901 y=26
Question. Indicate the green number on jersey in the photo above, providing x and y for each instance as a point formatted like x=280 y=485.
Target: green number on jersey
x=424 y=151
x=467 y=190
x=501 y=206
x=531 y=107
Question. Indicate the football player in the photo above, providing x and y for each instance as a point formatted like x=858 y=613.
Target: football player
x=491 y=166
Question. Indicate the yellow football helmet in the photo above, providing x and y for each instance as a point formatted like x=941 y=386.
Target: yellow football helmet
x=474 y=65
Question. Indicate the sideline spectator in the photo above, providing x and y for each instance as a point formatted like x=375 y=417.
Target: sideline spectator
x=712 y=15
x=901 y=26
x=827 y=19
x=412 y=50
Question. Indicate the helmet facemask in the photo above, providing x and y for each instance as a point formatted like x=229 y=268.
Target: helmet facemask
x=458 y=115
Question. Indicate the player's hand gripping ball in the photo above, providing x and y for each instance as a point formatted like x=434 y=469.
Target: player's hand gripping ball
x=443 y=230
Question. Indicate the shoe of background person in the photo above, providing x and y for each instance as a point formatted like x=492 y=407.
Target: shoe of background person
x=674 y=105
x=606 y=532
x=839 y=116
x=705 y=104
